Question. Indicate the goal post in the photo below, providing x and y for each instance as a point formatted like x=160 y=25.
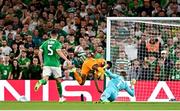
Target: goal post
x=148 y=49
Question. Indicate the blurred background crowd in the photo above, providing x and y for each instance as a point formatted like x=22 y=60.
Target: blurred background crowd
x=147 y=50
x=25 y=24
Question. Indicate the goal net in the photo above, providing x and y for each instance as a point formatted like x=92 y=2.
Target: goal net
x=148 y=49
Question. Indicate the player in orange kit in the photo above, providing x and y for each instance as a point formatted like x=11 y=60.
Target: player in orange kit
x=96 y=66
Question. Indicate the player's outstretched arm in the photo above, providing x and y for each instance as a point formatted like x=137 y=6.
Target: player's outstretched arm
x=131 y=90
x=95 y=68
x=61 y=54
x=96 y=84
x=40 y=56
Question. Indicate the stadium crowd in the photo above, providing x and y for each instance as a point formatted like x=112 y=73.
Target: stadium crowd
x=25 y=24
x=150 y=52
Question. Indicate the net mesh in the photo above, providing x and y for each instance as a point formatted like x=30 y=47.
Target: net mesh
x=147 y=51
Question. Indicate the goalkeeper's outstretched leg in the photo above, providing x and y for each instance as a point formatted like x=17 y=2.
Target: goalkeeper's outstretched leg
x=109 y=95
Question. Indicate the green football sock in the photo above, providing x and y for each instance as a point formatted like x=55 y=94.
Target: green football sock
x=59 y=87
x=43 y=81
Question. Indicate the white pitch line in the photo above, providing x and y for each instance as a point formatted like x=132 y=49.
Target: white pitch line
x=90 y=110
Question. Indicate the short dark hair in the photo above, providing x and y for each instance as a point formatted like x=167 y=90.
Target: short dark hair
x=109 y=64
x=24 y=51
x=54 y=32
x=123 y=73
x=70 y=50
x=87 y=48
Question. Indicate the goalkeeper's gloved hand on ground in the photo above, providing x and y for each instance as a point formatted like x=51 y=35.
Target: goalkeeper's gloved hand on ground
x=133 y=82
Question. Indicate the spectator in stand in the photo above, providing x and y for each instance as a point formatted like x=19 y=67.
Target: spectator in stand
x=35 y=52
x=146 y=8
x=153 y=46
x=10 y=39
x=24 y=64
x=137 y=31
x=175 y=72
x=171 y=45
x=16 y=71
x=176 y=39
x=99 y=52
x=15 y=52
x=80 y=48
x=30 y=52
x=6 y=68
x=122 y=63
x=160 y=70
x=18 y=39
x=35 y=69
x=164 y=65
x=148 y=68
x=131 y=49
x=175 y=56
x=36 y=39
x=67 y=75
x=6 y=50
x=142 y=52
x=173 y=8
x=157 y=9
x=71 y=40
x=135 y=70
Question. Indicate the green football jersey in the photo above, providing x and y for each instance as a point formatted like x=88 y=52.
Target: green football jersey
x=5 y=71
x=23 y=61
x=50 y=56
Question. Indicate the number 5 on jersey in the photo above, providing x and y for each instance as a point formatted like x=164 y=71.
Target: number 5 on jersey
x=50 y=51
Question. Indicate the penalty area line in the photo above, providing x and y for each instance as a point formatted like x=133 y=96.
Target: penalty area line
x=89 y=110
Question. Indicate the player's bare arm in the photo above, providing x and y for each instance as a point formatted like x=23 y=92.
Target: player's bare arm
x=40 y=56
x=95 y=67
x=61 y=54
x=96 y=84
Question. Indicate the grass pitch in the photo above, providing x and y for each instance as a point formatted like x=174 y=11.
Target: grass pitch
x=89 y=106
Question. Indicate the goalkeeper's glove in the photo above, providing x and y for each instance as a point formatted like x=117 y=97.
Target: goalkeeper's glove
x=133 y=82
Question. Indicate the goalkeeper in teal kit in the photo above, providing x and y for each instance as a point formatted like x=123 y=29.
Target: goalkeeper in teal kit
x=116 y=84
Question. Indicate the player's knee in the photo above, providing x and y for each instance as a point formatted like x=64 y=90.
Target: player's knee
x=83 y=80
x=46 y=78
x=58 y=80
x=82 y=83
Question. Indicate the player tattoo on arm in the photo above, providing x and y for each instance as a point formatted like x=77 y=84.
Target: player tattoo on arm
x=61 y=54
x=40 y=56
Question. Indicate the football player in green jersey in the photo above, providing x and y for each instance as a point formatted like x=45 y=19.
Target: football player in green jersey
x=49 y=54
